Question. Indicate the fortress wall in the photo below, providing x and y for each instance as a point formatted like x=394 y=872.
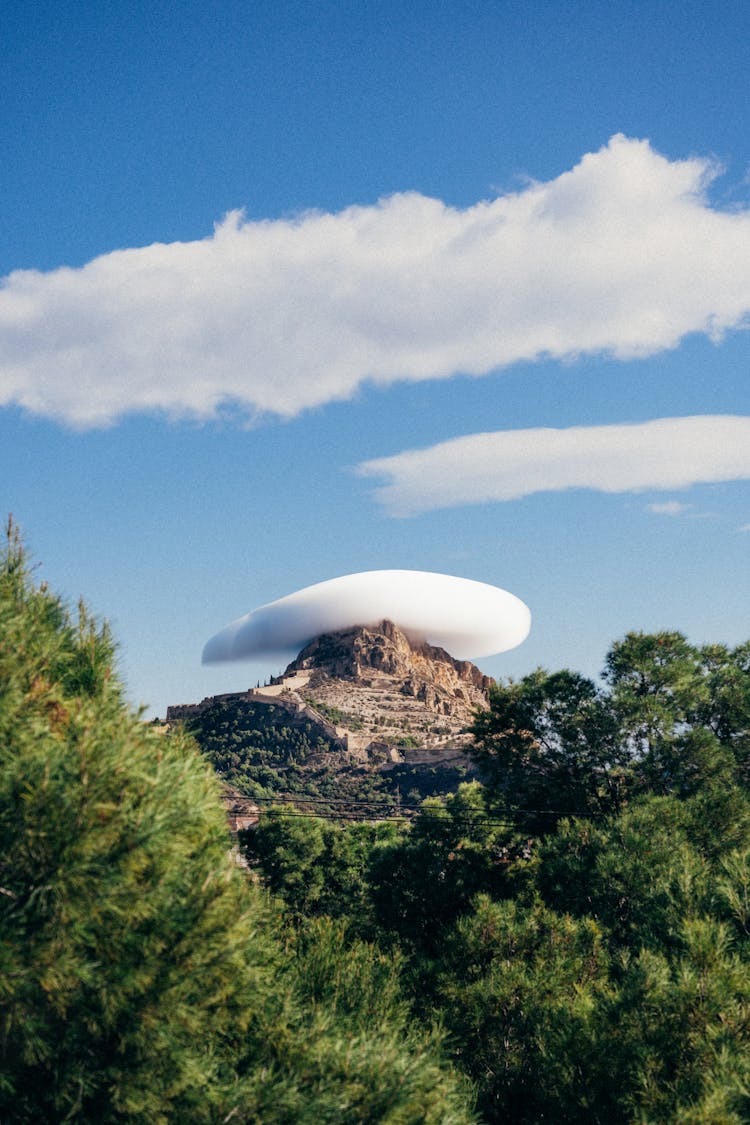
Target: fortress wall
x=266 y=697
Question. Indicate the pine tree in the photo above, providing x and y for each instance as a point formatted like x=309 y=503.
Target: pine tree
x=142 y=978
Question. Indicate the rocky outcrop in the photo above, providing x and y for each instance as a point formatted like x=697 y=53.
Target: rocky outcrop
x=388 y=688
x=374 y=698
x=351 y=654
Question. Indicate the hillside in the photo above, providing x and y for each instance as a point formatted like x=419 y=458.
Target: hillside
x=363 y=714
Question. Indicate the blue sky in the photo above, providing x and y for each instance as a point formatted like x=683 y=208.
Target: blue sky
x=434 y=236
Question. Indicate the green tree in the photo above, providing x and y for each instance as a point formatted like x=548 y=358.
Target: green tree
x=671 y=719
x=425 y=879
x=655 y=683
x=142 y=975
x=519 y=989
x=317 y=867
x=624 y=998
x=125 y=955
x=674 y=1039
x=637 y=875
x=725 y=707
x=288 y=848
x=358 y=986
x=549 y=747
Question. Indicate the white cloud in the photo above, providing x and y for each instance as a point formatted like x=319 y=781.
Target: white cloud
x=667 y=453
x=669 y=508
x=470 y=619
x=623 y=255
x=745 y=527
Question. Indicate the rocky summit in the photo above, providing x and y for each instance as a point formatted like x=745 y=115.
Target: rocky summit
x=361 y=715
x=383 y=690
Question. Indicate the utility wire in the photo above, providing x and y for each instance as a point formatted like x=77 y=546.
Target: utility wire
x=373 y=803
x=358 y=810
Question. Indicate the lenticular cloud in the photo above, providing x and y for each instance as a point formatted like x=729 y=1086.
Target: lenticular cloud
x=469 y=619
x=664 y=453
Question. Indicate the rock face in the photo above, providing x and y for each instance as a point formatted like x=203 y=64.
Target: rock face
x=382 y=689
x=368 y=698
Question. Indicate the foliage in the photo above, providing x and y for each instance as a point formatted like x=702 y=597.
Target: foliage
x=671 y=718
x=143 y=977
x=574 y=933
x=319 y=868
x=243 y=740
x=403 y=1082
x=428 y=876
x=548 y=747
x=519 y=988
x=126 y=961
x=638 y=874
x=554 y=1027
x=580 y=924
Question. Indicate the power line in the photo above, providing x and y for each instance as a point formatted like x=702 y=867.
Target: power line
x=358 y=810
x=381 y=817
x=408 y=805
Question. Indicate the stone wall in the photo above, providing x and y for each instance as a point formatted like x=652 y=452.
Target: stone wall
x=299 y=710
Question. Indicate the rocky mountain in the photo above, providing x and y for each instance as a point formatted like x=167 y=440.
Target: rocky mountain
x=380 y=686
x=362 y=712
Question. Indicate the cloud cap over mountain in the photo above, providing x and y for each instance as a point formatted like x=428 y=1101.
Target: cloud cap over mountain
x=468 y=619
x=622 y=255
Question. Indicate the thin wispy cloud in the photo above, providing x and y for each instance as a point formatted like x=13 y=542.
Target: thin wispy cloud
x=664 y=454
x=623 y=255
x=669 y=508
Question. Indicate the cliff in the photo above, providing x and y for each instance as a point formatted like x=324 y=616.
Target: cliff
x=378 y=685
x=359 y=712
